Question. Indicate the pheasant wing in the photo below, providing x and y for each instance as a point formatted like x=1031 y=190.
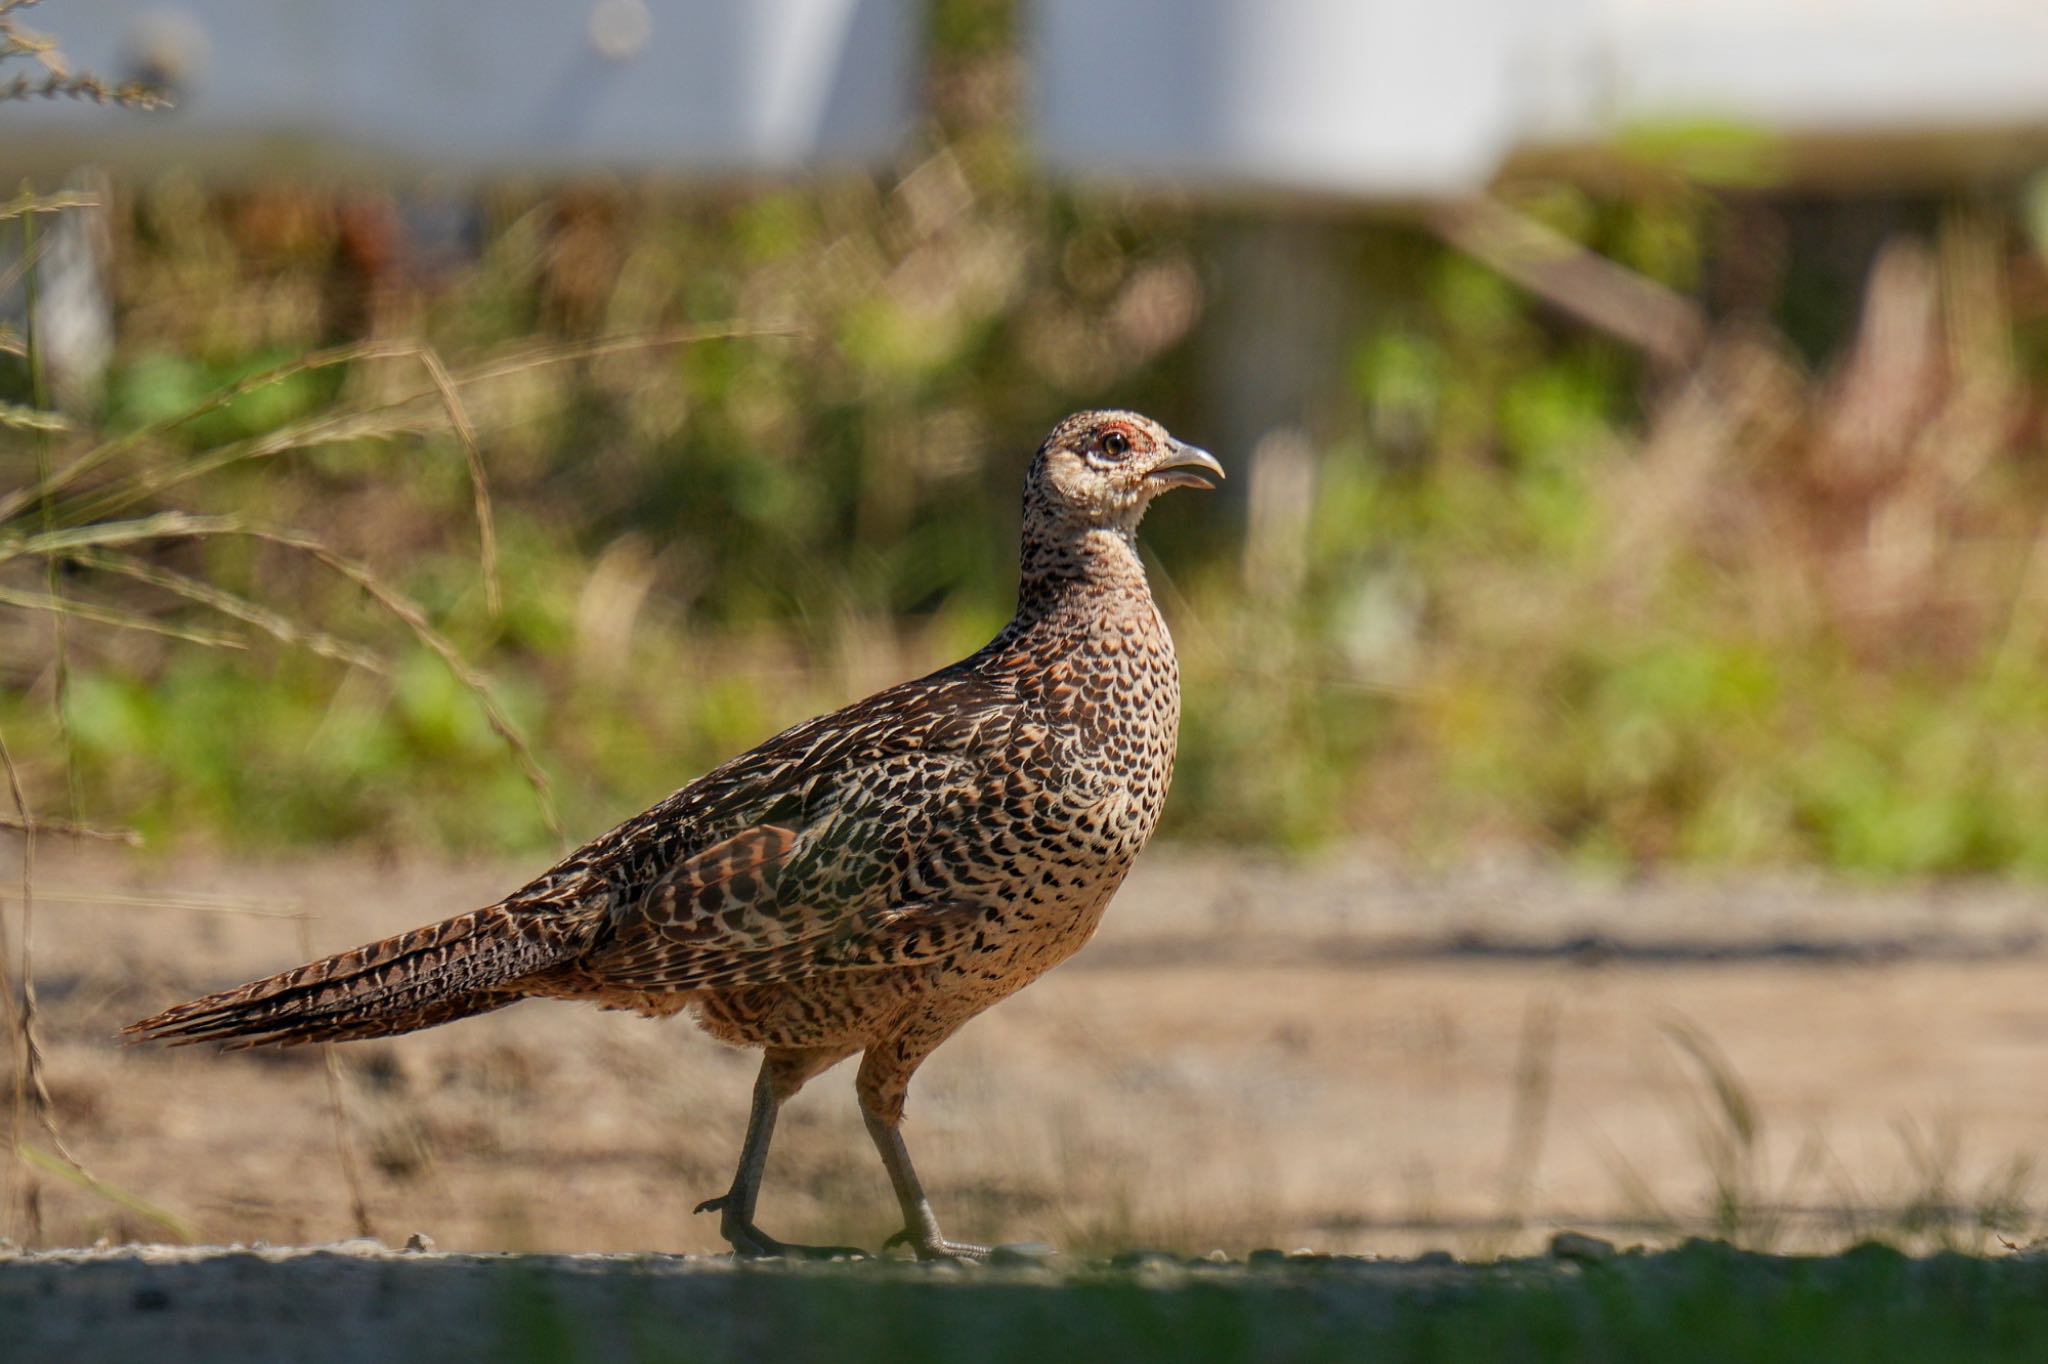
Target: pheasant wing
x=834 y=870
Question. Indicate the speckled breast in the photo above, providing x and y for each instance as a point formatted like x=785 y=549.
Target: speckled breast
x=1111 y=703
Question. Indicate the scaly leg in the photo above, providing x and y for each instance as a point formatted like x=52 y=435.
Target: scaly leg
x=783 y=1073
x=884 y=1080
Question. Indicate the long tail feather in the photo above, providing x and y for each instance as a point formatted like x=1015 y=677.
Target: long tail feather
x=430 y=975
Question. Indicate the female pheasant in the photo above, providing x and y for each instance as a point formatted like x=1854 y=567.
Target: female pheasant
x=863 y=882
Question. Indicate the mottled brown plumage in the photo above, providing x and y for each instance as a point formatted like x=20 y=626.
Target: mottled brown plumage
x=863 y=882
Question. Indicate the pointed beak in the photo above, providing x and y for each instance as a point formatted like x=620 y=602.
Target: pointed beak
x=1176 y=469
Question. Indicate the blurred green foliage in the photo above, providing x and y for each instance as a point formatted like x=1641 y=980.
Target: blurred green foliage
x=1785 y=607
x=1700 y=1302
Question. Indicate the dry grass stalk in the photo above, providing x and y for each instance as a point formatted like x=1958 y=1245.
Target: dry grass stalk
x=19 y=1190
x=344 y=1132
x=451 y=657
x=348 y=418
x=107 y=615
x=64 y=828
x=31 y=255
x=189 y=903
x=108 y=534
x=39 y=395
x=58 y=80
x=25 y=1211
x=29 y=1085
x=1535 y=1066
x=273 y=623
x=31 y=419
x=28 y=201
x=31 y=1090
x=79 y=1177
x=465 y=430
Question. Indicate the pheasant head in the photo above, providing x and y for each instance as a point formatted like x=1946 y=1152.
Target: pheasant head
x=1100 y=470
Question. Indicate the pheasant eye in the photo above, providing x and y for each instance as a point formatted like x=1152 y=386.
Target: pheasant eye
x=1116 y=445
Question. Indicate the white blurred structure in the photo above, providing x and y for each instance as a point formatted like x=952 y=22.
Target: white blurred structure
x=1415 y=99
x=1364 y=99
x=509 y=86
x=1371 y=97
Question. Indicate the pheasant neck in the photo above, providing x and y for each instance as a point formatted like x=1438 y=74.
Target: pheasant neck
x=1073 y=574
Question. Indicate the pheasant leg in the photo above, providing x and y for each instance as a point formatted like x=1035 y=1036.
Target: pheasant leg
x=735 y=1207
x=920 y=1225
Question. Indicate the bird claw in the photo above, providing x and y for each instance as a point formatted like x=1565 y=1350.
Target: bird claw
x=749 y=1242
x=937 y=1247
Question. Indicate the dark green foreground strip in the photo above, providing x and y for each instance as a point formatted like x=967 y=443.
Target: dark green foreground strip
x=1697 y=1303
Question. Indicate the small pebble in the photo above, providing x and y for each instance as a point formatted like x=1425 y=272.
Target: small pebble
x=1581 y=1248
x=419 y=1241
x=1022 y=1253
x=1436 y=1257
x=358 y=1246
x=1266 y=1256
x=1143 y=1258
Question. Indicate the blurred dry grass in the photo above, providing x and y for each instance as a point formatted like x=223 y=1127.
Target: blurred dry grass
x=1521 y=585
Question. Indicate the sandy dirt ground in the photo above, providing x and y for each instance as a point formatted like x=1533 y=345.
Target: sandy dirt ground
x=1334 y=1055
